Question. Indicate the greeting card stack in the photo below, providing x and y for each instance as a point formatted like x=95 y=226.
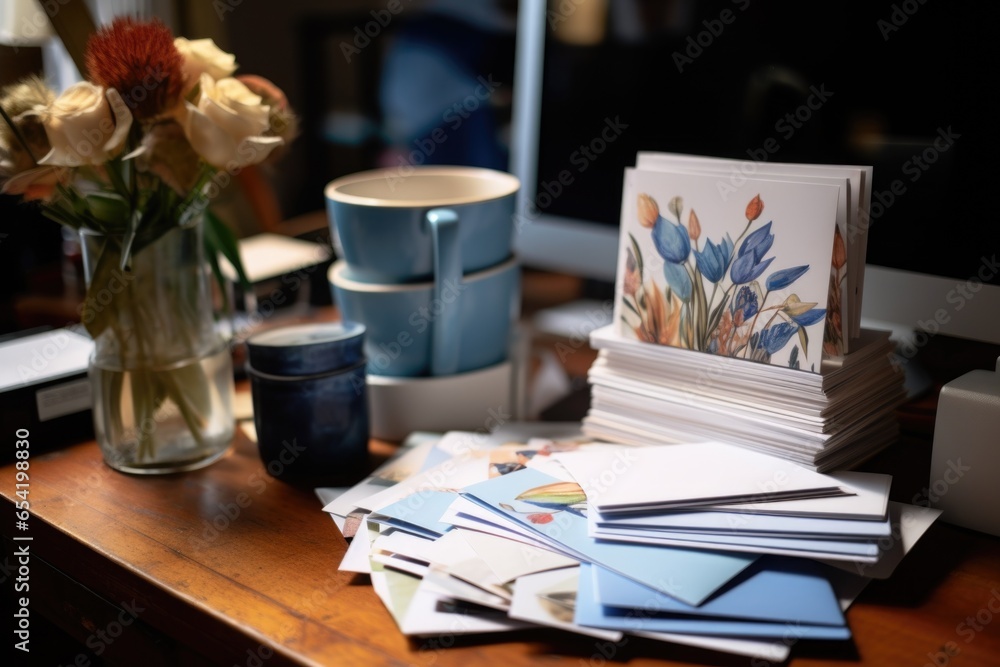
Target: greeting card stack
x=737 y=313
x=700 y=544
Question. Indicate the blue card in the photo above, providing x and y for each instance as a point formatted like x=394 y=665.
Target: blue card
x=648 y=618
x=774 y=588
x=551 y=509
x=418 y=513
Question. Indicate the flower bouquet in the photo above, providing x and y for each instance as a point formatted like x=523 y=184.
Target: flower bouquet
x=130 y=159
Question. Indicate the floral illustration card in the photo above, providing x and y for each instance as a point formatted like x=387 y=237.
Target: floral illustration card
x=852 y=214
x=747 y=277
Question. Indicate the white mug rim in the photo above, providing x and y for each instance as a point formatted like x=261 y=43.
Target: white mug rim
x=336 y=277
x=507 y=184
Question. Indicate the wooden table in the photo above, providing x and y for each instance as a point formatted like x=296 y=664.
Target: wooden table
x=228 y=566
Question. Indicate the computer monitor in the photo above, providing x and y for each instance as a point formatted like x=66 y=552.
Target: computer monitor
x=907 y=88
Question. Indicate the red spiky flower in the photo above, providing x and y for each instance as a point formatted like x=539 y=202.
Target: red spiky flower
x=140 y=61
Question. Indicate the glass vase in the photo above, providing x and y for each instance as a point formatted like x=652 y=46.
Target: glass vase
x=161 y=375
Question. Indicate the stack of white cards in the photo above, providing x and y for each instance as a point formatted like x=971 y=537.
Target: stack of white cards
x=646 y=394
x=737 y=313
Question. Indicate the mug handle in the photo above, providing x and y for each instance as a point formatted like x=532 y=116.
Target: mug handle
x=445 y=334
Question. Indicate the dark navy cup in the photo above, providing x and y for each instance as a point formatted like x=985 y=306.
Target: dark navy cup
x=310 y=399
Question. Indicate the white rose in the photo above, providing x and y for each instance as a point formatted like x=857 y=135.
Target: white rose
x=85 y=125
x=202 y=56
x=227 y=125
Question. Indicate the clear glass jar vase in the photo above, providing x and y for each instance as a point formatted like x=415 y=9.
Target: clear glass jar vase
x=161 y=375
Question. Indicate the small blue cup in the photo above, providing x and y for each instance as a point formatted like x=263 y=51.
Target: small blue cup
x=310 y=399
x=418 y=330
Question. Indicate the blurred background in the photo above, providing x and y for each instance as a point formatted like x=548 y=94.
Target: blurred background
x=405 y=82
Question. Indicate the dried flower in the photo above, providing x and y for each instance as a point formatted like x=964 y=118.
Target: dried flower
x=169 y=156
x=140 y=61
x=130 y=155
x=126 y=159
x=648 y=211
x=754 y=208
x=17 y=100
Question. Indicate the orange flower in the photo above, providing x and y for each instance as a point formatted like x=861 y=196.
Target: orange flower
x=140 y=61
x=661 y=319
x=839 y=250
x=648 y=211
x=694 y=226
x=754 y=208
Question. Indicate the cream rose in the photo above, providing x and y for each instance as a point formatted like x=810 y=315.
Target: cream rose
x=227 y=125
x=202 y=56
x=85 y=125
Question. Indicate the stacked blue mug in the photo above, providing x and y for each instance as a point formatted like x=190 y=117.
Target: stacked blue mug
x=426 y=264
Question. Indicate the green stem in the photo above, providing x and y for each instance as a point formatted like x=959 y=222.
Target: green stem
x=753 y=324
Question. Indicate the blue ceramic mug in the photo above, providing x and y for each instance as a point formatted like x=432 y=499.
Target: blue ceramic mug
x=398 y=226
x=416 y=329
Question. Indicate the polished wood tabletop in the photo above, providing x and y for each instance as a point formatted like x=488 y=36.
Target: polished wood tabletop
x=229 y=566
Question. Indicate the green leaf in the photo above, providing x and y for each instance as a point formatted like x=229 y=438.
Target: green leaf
x=629 y=305
x=96 y=316
x=638 y=256
x=804 y=341
x=716 y=316
x=113 y=171
x=189 y=389
x=108 y=207
x=220 y=239
x=130 y=233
